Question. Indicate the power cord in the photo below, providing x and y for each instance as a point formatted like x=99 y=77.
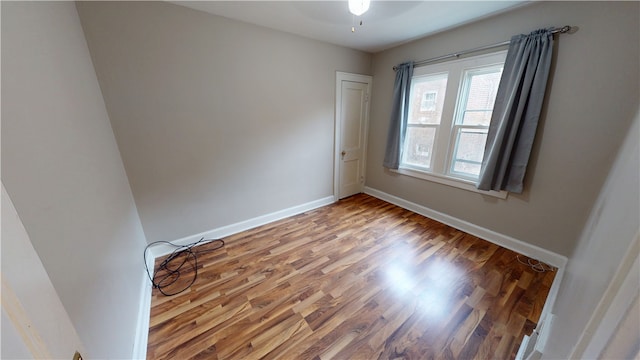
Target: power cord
x=536 y=265
x=170 y=269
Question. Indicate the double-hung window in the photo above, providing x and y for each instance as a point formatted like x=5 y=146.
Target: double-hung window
x=449 y=113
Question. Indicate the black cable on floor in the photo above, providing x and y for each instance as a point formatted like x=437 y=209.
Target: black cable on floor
x=171 y=268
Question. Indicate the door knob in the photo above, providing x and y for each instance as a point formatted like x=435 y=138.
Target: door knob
x=343 y=153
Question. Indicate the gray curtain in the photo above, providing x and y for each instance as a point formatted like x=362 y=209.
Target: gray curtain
x=399 y=113
x=516 y=112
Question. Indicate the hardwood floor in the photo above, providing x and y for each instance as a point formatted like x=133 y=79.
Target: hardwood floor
x=359 y=279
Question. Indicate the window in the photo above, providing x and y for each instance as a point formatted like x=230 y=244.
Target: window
x=474 y=108
x=450 y=109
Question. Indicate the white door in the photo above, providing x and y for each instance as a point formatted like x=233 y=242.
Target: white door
x=352 y=116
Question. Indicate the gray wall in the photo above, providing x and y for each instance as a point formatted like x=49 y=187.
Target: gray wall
x=218 y=121
x=62 y=169
x=593 y=96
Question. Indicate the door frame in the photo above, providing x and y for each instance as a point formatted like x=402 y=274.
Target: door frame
x=337 y=140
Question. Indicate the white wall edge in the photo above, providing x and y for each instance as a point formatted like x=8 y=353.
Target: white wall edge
x=545 y=323
x=544 y=331
x=612 y=306
x=224 y=231
x=508 y=242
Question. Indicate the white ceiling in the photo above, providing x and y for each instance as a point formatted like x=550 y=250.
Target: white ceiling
x=386 y=24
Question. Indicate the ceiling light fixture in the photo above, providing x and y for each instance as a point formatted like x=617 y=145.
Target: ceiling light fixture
x=359 y=7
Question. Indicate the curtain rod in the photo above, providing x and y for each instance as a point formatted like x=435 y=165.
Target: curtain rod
x=561 y=30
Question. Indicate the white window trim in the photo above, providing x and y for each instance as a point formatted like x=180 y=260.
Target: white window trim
x=450 y=181
x=441 y=175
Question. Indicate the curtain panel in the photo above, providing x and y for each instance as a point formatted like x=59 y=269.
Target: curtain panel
x=399 y=113
x=516 y=112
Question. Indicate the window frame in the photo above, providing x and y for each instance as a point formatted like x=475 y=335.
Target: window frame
x=434 y=74
x=445 y=141
x=457 y=125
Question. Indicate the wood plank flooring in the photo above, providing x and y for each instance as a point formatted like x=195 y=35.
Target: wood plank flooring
x=359 y=279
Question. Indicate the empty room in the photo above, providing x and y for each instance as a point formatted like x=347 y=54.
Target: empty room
x=320 y=179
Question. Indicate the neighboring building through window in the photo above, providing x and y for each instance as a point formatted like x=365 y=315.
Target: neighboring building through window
x=449 y=113
x=428 y=102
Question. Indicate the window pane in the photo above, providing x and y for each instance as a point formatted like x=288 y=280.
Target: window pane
x=471 y=169
x=479 y=117
x=482 y=86
x=419 y=146
x=427 y=99
x=469 y=151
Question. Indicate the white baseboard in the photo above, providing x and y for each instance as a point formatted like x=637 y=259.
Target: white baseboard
x=508 y=242
x=144 y=313
x=544 y=331
x=522 y=351
x=224 y=231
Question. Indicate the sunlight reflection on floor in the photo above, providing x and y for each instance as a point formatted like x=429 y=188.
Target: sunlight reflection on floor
x=430 y=288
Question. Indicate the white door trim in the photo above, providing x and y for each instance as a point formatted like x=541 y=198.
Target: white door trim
x=340 y=77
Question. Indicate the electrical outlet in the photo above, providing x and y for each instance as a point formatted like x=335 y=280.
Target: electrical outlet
x=77 y=356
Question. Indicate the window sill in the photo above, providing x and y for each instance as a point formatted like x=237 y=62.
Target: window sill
x=449 y=181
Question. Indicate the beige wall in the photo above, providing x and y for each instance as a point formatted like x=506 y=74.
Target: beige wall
x=218 y=121
x=62 y=169
x=593 y=96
